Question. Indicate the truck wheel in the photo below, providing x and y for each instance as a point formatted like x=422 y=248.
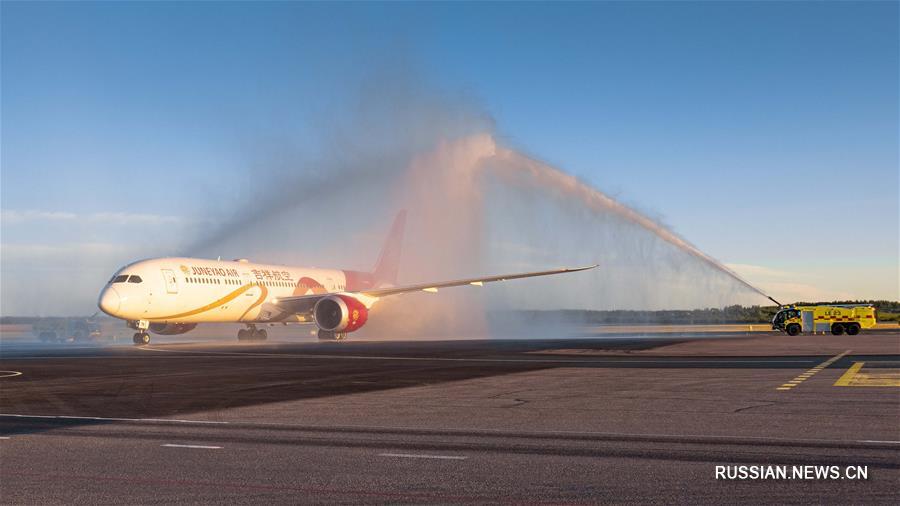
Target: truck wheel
x=793 y=329
x=852 y=329
x=837 y=329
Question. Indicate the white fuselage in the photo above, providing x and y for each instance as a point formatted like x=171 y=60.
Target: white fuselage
x=193 y=290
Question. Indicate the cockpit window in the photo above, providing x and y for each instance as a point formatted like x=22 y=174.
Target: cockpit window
x=134 y=279
x=119 y=279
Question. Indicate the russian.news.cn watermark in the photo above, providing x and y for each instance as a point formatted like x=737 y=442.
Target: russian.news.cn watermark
x=763 y=472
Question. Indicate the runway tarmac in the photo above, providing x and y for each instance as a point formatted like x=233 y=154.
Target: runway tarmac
x=490 y=421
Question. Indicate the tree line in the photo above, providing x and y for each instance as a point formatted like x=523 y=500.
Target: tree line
x=885 y=311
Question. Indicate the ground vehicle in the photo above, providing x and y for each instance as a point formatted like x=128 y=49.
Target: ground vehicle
x=63 y=329
x=836 y=318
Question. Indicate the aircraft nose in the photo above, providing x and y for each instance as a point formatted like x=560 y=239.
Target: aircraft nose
x=109 y=301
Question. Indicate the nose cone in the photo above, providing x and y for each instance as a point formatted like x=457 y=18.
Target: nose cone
x=109 y=301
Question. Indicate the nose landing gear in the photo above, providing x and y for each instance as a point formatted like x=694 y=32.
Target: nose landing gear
x=251 y=333
x=141 y=337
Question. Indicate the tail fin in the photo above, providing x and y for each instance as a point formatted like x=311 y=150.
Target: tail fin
x=385 y=272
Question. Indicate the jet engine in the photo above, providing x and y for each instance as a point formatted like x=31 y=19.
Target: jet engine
x=171 y=329
x=340 y=313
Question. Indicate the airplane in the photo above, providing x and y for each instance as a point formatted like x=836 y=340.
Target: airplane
x=170 y=296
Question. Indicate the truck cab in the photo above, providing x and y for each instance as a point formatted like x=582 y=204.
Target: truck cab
x=787 y=320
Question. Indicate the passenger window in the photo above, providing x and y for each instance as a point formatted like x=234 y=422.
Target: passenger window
x=135 y=279
x=120 y=278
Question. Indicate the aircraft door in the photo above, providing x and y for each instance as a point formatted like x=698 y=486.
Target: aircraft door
x=171 y=282
x=246 y=279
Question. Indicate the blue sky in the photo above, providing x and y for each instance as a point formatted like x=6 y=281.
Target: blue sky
x=749 y=128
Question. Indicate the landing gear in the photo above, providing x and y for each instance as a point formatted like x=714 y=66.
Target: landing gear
x=327 y=335
x=251 y=333
x=141 y=337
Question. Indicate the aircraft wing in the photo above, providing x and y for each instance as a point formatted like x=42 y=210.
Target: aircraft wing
x=433 y=287
x=304 y=303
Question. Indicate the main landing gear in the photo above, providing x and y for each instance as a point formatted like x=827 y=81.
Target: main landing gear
x=141 y=338
x=327 y=335
x=251 y=333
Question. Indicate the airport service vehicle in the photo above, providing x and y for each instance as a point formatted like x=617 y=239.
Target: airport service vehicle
x=838 y=319
x=170 y=296
x=50 y=330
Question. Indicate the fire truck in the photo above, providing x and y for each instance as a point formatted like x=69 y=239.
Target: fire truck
x=837 y=319
x=51 y=330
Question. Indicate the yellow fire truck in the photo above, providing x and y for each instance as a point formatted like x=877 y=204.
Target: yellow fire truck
x=837 y=319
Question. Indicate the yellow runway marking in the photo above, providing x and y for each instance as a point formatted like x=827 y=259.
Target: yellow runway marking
x=854 y=378
x=811 y=372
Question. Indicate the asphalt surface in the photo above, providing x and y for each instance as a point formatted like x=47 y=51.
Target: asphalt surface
x=499 y=421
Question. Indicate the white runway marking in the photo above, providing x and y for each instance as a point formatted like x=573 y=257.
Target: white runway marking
x=9 y=374
x=4 y=437
x=476 y=432
x=106 y=419
x=197 y=447
x=421 y=456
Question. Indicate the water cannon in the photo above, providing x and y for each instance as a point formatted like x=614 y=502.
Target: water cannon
x=775 y=301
